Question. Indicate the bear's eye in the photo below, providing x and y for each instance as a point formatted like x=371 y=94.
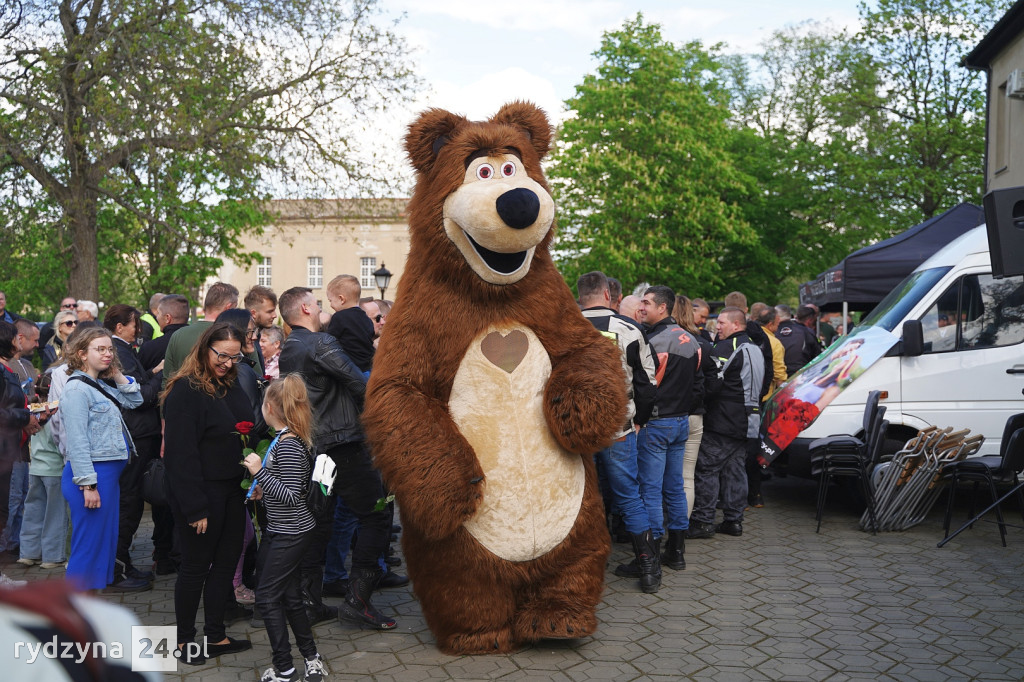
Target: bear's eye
x=508 y=169
x=484 y=171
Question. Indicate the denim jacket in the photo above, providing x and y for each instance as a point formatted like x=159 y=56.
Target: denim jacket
x=92 y=425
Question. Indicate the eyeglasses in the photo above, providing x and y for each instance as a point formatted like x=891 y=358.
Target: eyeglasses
x=378 y=318
x=252 y=333
x=224 y=357
x=69 y=323
x=103 y=350
x=70 y=305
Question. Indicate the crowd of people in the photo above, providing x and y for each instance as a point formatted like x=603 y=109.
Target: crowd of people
x=81 y=427
x=106 y=398
x=690 y=444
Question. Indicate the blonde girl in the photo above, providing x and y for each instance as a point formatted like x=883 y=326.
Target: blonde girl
x=283 y=478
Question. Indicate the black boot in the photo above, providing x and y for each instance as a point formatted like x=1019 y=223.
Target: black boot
x=675 y=547
x=654 y=547
x=312 y=597
x=645 y=566
x=357 y=607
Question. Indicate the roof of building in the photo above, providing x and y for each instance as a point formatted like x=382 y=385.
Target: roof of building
x=388 y=209
x=1002 y=34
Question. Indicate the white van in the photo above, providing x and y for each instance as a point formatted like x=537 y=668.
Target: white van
x=960 y=360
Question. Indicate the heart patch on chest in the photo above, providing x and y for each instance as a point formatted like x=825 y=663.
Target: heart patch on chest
x=506 y=351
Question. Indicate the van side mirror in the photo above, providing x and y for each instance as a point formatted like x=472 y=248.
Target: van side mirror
x=913 y=338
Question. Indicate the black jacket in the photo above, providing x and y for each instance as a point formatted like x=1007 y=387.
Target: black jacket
x=733 y=409
x=354 y=331
x=800 y=343
x=678 y=355
x=202 y=444
x=152 y=352
x=14 y=417
x=144 y=420
x=337 y=389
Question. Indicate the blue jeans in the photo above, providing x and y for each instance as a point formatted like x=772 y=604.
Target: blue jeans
x=19 y=490
x=661 y=447
x=620 y=463
x=45 y=528
x=345 y=524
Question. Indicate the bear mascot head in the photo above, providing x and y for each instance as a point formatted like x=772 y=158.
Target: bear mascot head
x=490 y=393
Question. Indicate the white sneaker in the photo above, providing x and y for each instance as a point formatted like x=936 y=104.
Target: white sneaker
x=10 y=583
x=271 y=675
x=316 y=669
x=27 y=562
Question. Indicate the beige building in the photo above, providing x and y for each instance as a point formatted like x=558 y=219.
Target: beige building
x=1001 y=55
x=313 y=241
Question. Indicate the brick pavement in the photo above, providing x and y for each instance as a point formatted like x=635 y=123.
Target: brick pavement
x=779 y=603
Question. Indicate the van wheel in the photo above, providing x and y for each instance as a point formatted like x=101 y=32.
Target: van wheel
x=894 y=441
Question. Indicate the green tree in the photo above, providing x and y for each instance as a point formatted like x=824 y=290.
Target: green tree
x=164 y=124
x=922 y=151
x=790 y=107
x=642 y=173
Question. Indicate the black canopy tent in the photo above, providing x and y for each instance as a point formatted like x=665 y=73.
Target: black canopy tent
x=864 y=277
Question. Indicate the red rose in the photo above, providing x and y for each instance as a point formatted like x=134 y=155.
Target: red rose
x=244 y=427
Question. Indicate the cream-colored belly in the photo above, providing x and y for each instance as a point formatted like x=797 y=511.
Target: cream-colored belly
x=534 y=488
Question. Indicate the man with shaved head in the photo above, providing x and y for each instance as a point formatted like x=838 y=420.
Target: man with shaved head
x=633 y=308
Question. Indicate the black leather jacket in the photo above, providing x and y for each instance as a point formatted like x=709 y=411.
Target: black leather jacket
x=336 y=387
x=14 y=417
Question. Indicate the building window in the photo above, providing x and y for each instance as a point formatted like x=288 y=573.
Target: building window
x=263 y=273
x=315 y=270
x=366 y=268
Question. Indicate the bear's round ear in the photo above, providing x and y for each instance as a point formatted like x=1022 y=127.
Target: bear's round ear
x=531 y=120
x=428 y=133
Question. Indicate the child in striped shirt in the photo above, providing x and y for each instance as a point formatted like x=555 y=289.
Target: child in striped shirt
x=283 y=478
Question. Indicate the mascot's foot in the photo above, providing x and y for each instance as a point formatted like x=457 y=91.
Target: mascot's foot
x=549 y=622
x=493 y=642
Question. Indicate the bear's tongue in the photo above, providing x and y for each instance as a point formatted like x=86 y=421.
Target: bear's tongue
x=504 y=263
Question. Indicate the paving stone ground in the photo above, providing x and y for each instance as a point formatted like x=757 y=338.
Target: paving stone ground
x=779 y=603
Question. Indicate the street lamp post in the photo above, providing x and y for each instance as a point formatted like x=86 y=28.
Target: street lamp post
x=383 y=277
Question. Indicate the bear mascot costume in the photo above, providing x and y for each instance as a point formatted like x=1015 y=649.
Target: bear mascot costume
x=490 y=393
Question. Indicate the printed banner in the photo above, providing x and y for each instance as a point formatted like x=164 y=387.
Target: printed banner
x=800 y=400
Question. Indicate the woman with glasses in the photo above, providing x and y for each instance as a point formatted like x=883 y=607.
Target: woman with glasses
x=204 y=405
x=97 y=448
x=64 y=323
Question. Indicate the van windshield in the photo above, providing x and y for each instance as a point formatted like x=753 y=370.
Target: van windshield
x=907 y=294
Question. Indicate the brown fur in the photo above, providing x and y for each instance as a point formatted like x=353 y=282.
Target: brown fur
x=474 y=601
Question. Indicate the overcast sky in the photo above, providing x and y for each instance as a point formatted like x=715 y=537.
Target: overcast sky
x=475 y=55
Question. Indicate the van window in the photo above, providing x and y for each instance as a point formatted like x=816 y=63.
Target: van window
x=907 y=294
x=978 y=311
x=939 y=323
x=991 y=311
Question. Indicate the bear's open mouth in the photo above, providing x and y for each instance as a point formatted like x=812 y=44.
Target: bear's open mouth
x=503 y=263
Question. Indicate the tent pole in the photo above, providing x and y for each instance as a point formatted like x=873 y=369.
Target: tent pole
x=846 y=314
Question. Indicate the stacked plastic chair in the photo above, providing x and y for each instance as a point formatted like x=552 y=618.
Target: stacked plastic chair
x=849 y=456
x=1002 y=469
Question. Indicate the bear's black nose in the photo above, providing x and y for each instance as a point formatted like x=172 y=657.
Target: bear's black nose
x=518 y=207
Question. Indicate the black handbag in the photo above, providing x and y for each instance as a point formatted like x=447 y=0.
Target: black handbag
x=154 y=483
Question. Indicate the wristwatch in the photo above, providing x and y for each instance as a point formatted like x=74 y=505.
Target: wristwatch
x=87 y=487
